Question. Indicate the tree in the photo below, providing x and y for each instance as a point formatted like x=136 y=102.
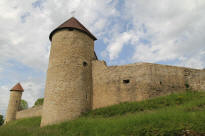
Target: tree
x=23 y=105
x=39 y=102
x=1 y=120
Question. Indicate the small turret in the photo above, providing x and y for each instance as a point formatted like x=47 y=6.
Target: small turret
x=14 y=102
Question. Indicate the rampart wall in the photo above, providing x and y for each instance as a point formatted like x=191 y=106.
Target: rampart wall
x=139 y=81
x=134 y=82
x=31 y=112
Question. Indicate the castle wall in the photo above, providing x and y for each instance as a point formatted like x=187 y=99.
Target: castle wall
x=195 y=78
x=28 y=113
x=136 y=82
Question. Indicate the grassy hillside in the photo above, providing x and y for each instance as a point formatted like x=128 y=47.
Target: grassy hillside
x=173 y=115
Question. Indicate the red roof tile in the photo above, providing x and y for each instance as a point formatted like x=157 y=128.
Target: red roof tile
x=75 y=24
x=17 y=87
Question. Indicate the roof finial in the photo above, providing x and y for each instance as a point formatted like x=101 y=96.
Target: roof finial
x=73 y=13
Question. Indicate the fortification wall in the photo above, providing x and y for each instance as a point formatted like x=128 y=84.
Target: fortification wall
x=31 y=112
x=195 y=78
x=136 y=82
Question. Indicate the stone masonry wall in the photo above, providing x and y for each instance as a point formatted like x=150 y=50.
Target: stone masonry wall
x=31 y=112
x=195 y=78
x=139 y=81
x=68 y=89
x=14 y=102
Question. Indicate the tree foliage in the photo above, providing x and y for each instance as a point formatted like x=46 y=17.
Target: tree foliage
x=23 y=105
x=39 y=102
x=1 y=120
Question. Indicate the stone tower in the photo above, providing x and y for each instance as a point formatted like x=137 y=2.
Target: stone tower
x=14 y=102
x=68 y=88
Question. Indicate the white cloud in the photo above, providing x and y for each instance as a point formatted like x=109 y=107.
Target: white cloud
x=25 y=42
x=115 y=45
x=174 y=28
x=196 y=61
x=4 y=99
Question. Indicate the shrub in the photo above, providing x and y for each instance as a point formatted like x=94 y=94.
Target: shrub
x=23 y=105
x=1 y=120
x=39 y=102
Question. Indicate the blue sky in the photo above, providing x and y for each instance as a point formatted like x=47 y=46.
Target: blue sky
x=167 y=32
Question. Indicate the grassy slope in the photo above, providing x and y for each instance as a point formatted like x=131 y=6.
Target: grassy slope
x=169 y=115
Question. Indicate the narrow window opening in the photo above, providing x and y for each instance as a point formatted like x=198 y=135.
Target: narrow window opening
x=126 y=81
x=86 y=96
x=160 y=82
x=16 y=101
x=85 y=63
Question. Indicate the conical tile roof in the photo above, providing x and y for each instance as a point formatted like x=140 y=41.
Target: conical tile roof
x=17 y=87
x=75 y=24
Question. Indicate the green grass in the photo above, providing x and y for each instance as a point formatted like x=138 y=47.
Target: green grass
x=164 y=116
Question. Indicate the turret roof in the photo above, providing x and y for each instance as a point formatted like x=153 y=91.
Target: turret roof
x=17 y=87
x=75 y=24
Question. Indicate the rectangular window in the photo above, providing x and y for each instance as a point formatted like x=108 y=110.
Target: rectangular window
x=126 y=81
